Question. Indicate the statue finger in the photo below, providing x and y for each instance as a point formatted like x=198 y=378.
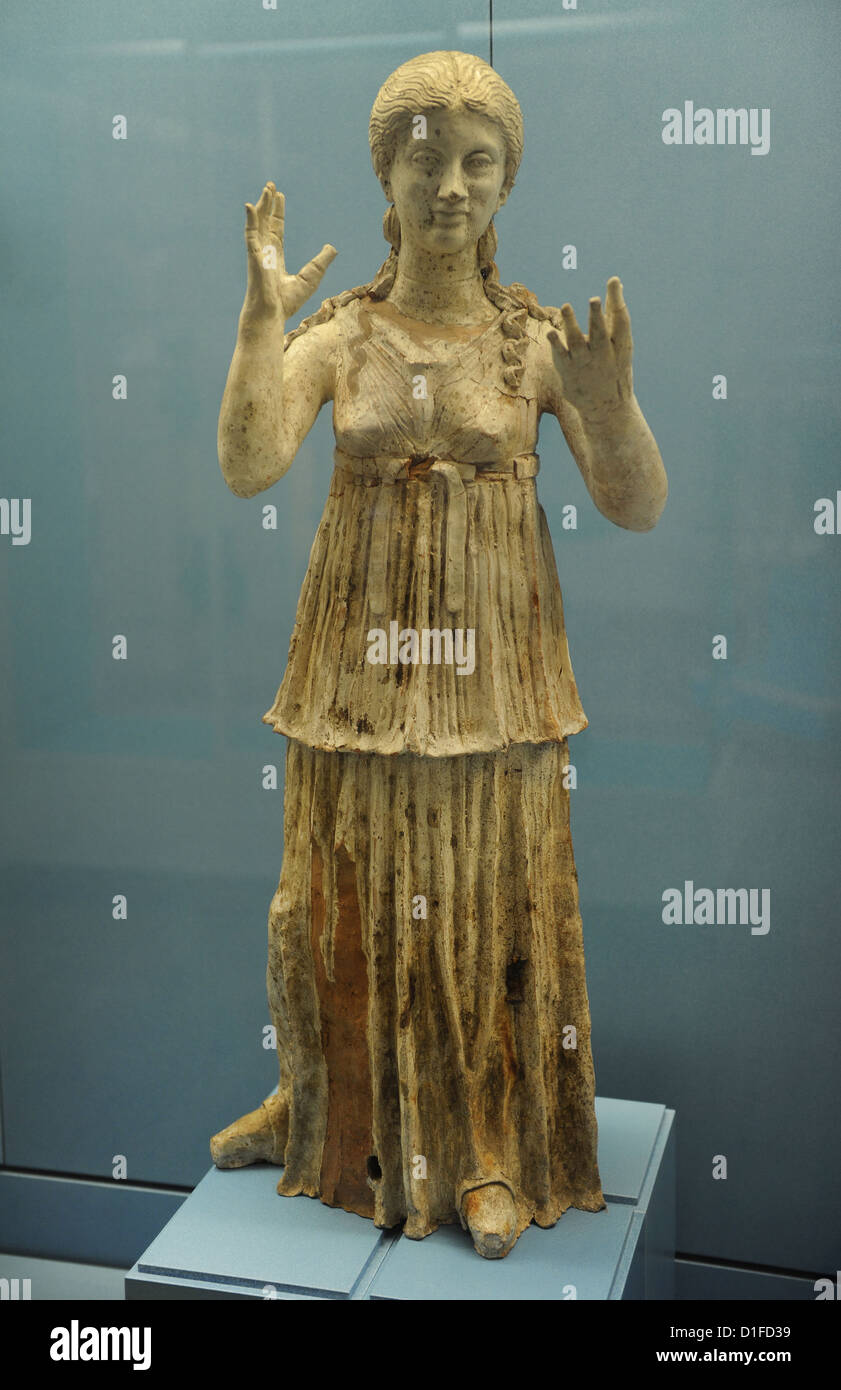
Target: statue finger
x=313 y=271
x=559 y=347
x=618 y=318
x=597 y=331
x=275 y=227
x=278 y=215
x=575 y=338
x=614 y=299
x=253 y=239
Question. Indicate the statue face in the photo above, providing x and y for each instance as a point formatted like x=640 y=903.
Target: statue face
x=446 y=187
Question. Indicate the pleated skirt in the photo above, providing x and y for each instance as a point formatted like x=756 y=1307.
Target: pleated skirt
x=426 y=980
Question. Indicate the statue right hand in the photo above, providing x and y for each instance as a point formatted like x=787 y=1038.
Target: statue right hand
x=271 y=292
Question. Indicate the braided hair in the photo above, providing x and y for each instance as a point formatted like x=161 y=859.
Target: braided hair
x=449 y=81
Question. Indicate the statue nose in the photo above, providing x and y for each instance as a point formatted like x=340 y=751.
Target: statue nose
x=452 y=187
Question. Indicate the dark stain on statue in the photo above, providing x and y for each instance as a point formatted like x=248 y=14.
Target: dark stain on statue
x=348 y=1140
x=514 y=981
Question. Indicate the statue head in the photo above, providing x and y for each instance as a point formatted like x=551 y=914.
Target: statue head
x=462 y=86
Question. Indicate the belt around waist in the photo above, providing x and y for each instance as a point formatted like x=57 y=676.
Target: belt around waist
x=385 y=470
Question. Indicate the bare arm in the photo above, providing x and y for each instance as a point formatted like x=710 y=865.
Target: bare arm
x=589 y=388
x=270 y=404
x=271 y=399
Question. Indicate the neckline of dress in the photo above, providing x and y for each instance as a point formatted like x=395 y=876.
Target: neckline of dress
x=464 y=345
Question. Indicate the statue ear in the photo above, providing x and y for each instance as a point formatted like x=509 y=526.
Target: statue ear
x=391 y=227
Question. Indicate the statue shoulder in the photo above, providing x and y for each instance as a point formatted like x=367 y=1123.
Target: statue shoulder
x=326 y=326
x=532 y=322
x=538 y=314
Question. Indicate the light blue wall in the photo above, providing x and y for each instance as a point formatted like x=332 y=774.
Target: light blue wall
x=143 y=777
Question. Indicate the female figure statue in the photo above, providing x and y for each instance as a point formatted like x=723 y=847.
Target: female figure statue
x=426 y=971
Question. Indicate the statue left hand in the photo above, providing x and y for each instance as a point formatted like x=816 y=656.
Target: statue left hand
x=595 y=372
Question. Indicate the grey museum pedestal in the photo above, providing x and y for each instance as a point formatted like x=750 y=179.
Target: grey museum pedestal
x=234 y=1237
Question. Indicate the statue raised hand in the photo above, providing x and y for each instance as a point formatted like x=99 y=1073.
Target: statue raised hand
x=272 y=293
x=595 y=371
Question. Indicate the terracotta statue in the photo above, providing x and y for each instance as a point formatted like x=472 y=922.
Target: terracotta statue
x=426 y=969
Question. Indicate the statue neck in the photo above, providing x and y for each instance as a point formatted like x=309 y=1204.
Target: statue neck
x=440 y=289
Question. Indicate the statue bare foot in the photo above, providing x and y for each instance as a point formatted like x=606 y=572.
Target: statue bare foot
x=259 y=1137
x=492 y=1219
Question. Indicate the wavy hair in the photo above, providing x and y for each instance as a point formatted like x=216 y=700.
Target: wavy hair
x=448 y=81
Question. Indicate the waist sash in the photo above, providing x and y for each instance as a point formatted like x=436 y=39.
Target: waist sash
x=384 y=470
